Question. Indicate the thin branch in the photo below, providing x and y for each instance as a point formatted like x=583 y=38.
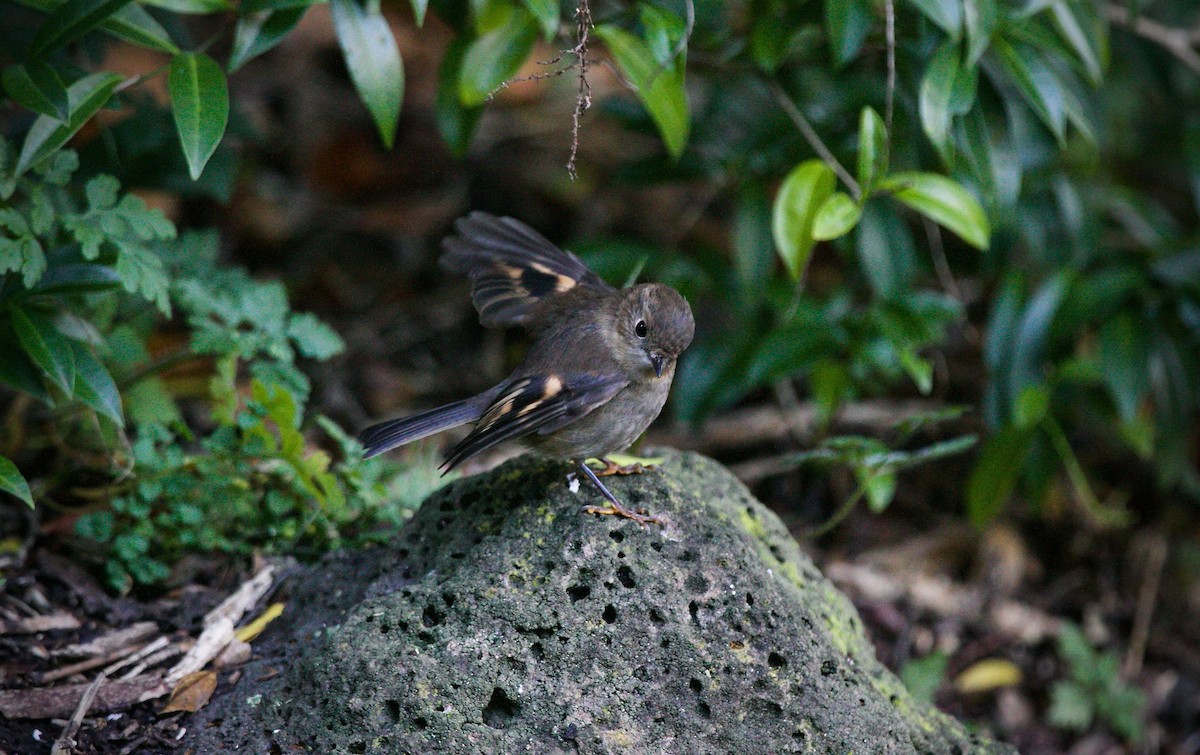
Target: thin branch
x=1179 y=42
x=814 y=141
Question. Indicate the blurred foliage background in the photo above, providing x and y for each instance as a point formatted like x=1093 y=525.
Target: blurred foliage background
x=958 y=237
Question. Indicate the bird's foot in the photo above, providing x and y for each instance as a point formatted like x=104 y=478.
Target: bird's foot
x=641 y=516
x=614 y=507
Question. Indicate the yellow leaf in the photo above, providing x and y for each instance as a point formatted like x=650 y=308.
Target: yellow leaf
x=254 y=628
x=192 y=692
x=987 y=675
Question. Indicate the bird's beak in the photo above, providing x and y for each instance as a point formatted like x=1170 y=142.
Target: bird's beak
x=659 y=361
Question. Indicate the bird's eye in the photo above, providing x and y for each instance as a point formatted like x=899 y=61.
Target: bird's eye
x=640 y=329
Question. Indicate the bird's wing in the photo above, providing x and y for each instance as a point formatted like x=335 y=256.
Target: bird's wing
x=535 y=404
x=512 y=267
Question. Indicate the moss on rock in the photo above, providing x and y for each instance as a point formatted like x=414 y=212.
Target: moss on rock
x=504 y=621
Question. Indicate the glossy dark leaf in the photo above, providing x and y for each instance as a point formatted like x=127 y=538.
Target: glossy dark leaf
x=131 y=23
x=455 y=121
x=69 y=22
x=872 y=150
x=1124 y=361
x=45 y=346
x=661 y=89
x=981 y=18
x=947 y=14
x=94 y=386
x=373 y=61
x=937 y=89
x=36 y=85
x=13 y=483
x=547 y=14
x=886 y=252
x=995 y=474
x=191 y=7
x=496 y=56
x=259 y=32
x=1036 y=82
x=47 y=135
x=847 y=23
x=200 y=103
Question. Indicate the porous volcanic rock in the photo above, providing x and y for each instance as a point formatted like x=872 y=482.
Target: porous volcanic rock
x=503 y=620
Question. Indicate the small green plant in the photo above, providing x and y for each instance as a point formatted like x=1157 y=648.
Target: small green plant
x=1094 y=690
x=923 y=676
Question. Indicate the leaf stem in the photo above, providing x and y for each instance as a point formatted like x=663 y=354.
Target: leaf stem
x=814 y=140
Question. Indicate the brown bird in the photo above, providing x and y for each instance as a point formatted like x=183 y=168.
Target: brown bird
x=597 y=372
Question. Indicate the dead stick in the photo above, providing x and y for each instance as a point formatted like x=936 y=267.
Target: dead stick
x=65 y=744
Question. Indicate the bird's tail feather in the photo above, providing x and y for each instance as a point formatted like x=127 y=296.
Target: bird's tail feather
x=385 y=436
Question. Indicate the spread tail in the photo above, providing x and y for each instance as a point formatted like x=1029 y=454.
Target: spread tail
x=385 y=436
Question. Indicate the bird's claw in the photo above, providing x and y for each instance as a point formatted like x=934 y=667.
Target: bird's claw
x=615 y=509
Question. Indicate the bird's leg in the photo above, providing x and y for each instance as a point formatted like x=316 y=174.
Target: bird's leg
x=614 y=507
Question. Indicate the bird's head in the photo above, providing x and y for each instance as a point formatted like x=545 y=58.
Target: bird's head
x=654 y=325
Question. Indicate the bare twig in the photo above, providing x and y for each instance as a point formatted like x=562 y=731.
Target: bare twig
x=1156 y=558
x=1181 y=43
x=583 y=97
x=65 y=743
x=814 y=141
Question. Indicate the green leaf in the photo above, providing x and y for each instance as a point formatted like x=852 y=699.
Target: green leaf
x=76 y=279
x=995 y=473
x=800 y=196
x=836 y=217
x=1036 y=82
x=261 y=6
x=1025 y=364
x=947 y=14
x=923 y=676
x=920 y=370
x=419 y=7
x=1032 y=406
x=135 y=25
x=937 y=88
x=847 y=23
x=17 y=369
x=886 y=252
x=13 y=483
x=455 y=121
x=1087 y=43
x=200 y=102
x=36 y=85
x=47 y=135
x=752 y=247
x=194 y=7
x=547 y=14
x=981 y=17
x=495 y=57
x=259 y=32
x=1124 y=360
x=131 y=23
x=660 y=88
x=879 y=485
x=373 y=61
x=944 y=201
x=314 y=339
x=872 y=150
x=94 y=385
x=1071 y=706
x=69 y=22
x=48 y=350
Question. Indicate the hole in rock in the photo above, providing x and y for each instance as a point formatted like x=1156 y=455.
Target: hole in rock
x=500 y=710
